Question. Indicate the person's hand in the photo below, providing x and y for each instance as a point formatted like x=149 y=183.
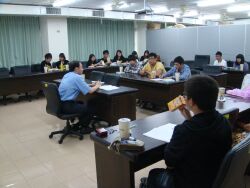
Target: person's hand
x=98 y=84
x=185 y=112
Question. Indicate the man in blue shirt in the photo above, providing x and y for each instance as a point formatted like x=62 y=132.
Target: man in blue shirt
x=71 y=86
x=180 y=67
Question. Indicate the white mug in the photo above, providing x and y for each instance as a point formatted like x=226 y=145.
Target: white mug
x=177 y=76
x=121 y=69
x=124 y=128
x=45 y=69
x=241 y=67
x=67 y=67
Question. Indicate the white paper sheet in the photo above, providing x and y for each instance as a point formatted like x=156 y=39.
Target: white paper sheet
x=163 y=133
x=108 y=87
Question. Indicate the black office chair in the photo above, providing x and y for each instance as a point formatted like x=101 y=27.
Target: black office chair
x=194 y=72
x=84 y=64
x=22 y=70
x=54 y=65
x=234 y=169
x=4 y=72
x=200 y=61
x=190 y=63
x=96 y=75
x=111 y=79
x=35 y=68
x=53 y=107
x=230 y=63
x=212 y=69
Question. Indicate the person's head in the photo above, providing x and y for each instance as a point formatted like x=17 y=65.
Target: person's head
x=178 y=62
x=62 y=57
x=105 y=54
x=48 y=57
x=118 y=53
x=152 y=59
x=132 y=60
x=201 y=93
x=92 y=58
x=240 y=59
x=76 y=66
x=158 y=58
x=134 y=53
x=218 y=56
x=146 y=53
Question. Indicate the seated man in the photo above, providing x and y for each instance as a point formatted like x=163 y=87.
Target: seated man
x=219 y=60
x=198 y=146
x=106 y=59
x=133 y=66
x=180 y=67
x=153 y=68
x=46 y=61
x=71 y=86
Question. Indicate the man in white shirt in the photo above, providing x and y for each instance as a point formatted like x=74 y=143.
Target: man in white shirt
x=219 y=61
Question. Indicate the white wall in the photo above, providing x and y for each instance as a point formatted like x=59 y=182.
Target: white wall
x=140 y=37
x=54 y=34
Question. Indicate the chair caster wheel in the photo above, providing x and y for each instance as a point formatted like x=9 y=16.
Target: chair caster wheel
x=60 y=141
x=81 y=138
x=50 y=136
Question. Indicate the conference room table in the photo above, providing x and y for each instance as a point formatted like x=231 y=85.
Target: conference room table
x=117 y=169
x=221 y=78
x=156 y=92
x=26 y=83
x=105 y=69
x=235 y=77
x=111 y=105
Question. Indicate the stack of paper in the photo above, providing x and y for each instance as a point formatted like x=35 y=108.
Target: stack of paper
x=108 y=87
x=163 y=133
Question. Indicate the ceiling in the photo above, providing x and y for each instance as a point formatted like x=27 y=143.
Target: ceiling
x=173 y=6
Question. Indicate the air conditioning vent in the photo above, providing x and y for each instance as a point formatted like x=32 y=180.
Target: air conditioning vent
x=54 y=11
x=98 y=13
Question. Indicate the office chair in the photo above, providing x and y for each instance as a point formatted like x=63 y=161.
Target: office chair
x=96 y=75
x=200 y=60
x=230 y=63
x=212 y=69
x=234 y=170
x=4 y=72
x=84 y=64
x=111 y=79
x=35 y=68
x=194 y=72
x=53 y=107
x=190 y=63
x=22 y=70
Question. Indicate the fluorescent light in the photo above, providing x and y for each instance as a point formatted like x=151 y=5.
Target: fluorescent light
x=211 y=17
x=160 y=9
x=239 y=8
x=60 y=3
x=208 y=3
x=108 y=7
x=190 y=13
x=177 y=15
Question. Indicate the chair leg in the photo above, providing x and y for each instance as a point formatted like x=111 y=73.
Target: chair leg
x=28 y=97
x=62 y=138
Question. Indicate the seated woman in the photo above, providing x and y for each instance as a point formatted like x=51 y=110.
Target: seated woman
x=133 y=66
x=119 y=58
x=62 y=61
x=145 y=56
x=198 y=145
x=92 y=62
x=241 y=60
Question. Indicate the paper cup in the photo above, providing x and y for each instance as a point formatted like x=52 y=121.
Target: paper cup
x=121 y=69
x=241 y=67
x=177 y=76
x=45 y=69
x=221 y=94
x=153 y=74
x=67 y=67
x=124 y=128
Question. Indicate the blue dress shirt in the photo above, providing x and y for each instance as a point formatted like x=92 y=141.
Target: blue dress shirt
x=185 y=72
x=71 y=85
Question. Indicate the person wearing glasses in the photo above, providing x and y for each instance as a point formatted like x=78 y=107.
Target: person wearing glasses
x=198 y=145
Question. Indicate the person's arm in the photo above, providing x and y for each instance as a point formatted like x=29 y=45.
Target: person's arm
x=42 y=66
x=169 y=73
x=93 y=89
x=142 y=71
x=159 y=72
x=245 y=68
x=84 y=87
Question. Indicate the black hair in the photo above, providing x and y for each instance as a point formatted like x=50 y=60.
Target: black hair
x=48 y=56
x=62 y=55
x=203 y=90
x=179 y=60
x=90 y=57
x=73 y=65
x=152 y=54
x=240 y=56
x=116 y=56
x=117 y=52
x=134 y=53
x=105 y=52
x=146 y=51
x=131 y=58
x=218 y=53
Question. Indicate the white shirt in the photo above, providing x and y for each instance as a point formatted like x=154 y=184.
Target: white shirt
x=222 y=63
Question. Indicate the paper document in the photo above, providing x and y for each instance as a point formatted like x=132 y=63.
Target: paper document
x=108 y=87
x=167 y=80
x=163 y=133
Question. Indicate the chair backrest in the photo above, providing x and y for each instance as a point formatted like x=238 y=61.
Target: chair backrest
x=54 y=65
x=200 y=60
x=36 y=67
x=195 y=72
x=230 y=63
x=190 y=63
x=21 y=70
x=212 y=69
x=84 y=64
x=246 y=81
x=111 y=79
x=235 y=166
x=51 y=93
x=4 y=72
x=231 y=114
x=96 y=76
